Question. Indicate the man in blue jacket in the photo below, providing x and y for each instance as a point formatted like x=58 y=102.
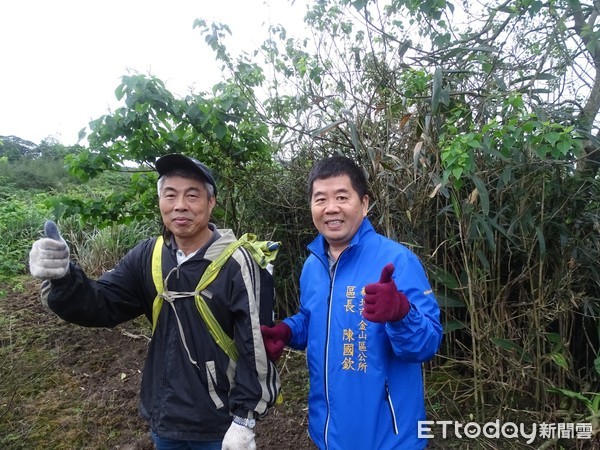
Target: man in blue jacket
x=365 y=340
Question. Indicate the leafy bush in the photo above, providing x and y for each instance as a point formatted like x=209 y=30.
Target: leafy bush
x=21 y=219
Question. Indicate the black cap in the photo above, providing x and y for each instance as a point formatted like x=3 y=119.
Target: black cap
x=176 y=161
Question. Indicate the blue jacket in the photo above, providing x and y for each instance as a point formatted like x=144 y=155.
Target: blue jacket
x=366 y=388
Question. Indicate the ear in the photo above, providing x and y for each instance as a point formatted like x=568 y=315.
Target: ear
x=212 y=201
x=365 y=205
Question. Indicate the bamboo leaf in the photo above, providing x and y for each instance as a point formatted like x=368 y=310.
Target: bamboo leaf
x=483 y=227
x=417 y=153
x=445 y=301
x=355 y=141
x=327 y=128
x=435 y=190
x=494 y=224
x=445 y=97
x=444 y=278
x=484 y=196
x=559 y=360
x=554 y=338
x=510 y=345
x=483 y=260
x=539 y=234
x=597 y=365
x=436 y=89
x=453 y=325
x=537 y=76
x=571 y=394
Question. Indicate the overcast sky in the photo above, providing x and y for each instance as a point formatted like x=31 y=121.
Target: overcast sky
x=63 y=59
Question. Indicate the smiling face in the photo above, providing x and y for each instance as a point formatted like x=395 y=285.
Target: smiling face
x=185 y=207
x=337 y=211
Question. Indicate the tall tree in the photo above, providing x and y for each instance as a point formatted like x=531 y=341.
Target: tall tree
x=222 y=129
x=478 y=128
x=14 y=148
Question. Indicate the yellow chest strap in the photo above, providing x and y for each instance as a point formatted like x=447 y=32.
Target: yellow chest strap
x=262 y=251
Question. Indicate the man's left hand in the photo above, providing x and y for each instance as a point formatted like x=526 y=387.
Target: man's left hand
x=239 y=437
x=383 y=301
x=49 y=256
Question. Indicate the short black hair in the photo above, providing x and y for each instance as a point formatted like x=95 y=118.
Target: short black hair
x=339 y=165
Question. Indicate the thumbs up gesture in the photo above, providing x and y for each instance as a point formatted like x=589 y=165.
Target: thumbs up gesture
x=383 y=301
x=49 y=256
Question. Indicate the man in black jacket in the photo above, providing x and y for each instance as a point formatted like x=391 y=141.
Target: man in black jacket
x=194 y=393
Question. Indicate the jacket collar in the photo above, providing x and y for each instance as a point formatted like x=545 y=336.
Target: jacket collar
x=219 y=240
x=319 y=245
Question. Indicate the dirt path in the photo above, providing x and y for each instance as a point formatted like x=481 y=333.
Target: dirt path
x=67 y=387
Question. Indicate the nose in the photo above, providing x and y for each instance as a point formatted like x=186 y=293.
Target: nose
x=180 y=204
x=331 y=206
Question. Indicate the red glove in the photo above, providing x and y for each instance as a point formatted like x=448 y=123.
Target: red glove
x=383 y=302
x=276 y=338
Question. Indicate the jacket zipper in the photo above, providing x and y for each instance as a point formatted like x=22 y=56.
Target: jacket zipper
x=326 y=375
x=391 y=406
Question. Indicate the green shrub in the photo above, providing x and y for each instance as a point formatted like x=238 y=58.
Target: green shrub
x=21 y=220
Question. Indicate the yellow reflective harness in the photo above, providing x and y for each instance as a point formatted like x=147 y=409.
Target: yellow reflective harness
x=263 y=253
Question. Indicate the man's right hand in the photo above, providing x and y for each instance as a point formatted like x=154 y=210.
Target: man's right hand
x=49 y=256
x=276 y=338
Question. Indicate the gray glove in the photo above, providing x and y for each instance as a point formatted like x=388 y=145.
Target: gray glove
x=239 y=437
x=49 y=256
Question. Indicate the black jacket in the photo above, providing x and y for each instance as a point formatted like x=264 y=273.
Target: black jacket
x=184 y=396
